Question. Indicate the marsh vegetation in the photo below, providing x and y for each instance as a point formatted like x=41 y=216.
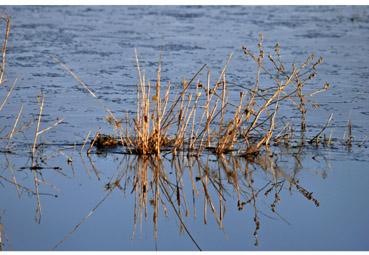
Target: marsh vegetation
x=192 y=150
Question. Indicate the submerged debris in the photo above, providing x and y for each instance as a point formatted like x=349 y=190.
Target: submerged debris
x=105 y=141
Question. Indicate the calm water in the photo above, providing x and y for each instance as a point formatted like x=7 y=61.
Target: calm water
x=98 y=44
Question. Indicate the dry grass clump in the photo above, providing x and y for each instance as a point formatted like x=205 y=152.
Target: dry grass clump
x=201 y=116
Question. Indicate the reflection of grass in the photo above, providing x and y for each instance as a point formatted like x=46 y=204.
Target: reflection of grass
x=213 y=183
x=183 y=187
x=179 y=186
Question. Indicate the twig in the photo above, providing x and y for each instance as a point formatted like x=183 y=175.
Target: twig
x=8 y=94
x=15 y=123
x=321 y=131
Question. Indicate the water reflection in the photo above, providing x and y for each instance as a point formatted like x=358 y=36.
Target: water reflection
x=184 y=188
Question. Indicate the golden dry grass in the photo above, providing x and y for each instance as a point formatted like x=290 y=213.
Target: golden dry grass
x=194 y=117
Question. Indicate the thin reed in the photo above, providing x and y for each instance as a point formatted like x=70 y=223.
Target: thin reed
x=6 y=19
